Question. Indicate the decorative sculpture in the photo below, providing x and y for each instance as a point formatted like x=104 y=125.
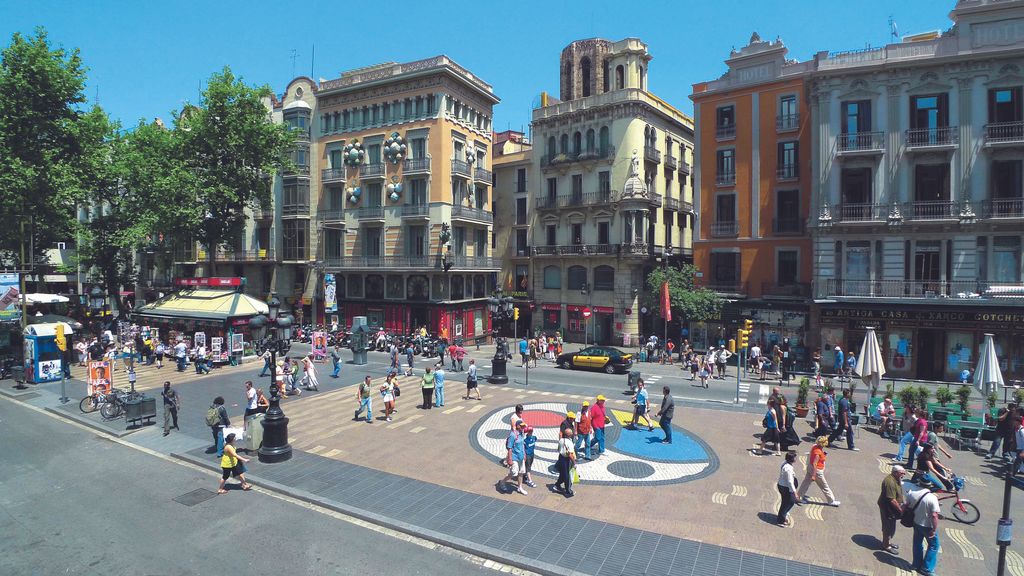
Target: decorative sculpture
x=353 y=153
x=395 y=189
x=394 y=148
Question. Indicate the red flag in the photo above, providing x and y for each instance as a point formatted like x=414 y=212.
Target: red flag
x=666 y=302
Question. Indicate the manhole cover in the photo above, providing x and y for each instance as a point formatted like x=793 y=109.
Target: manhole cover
x=195 y=497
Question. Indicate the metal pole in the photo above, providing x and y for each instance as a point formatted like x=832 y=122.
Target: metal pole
x=738 y=362
x=1005 y=525
x=21 y=276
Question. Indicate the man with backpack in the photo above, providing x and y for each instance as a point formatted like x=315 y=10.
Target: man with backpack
x=217 y=420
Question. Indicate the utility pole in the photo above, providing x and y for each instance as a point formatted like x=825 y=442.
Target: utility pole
x=1004 y=530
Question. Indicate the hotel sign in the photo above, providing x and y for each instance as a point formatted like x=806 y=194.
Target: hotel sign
x=938 y=318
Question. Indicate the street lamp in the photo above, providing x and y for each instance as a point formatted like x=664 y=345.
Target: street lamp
x=585 y=291
x=97 y=301
x=500 y=309
x=273 y=335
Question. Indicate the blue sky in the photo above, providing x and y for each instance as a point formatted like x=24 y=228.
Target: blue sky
x=147 y=57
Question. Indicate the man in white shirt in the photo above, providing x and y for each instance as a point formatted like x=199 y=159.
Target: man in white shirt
x=925 y=506
x=755 y=353
x=181 y=354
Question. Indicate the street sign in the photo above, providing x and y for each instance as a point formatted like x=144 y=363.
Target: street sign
x=587 y=312
x=61 y=340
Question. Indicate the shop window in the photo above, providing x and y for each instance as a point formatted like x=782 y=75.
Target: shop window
x=604 y=278
x=959 y=349
x=552 y=320
x=396 y=287
x=900 y=351
x=577 y=277
x=1006 y=259
x=458 y=288
x=576 y=321
x=374 y=286
x=479 y=286
x=355 y=285
x=552 y=277
x=418 y=288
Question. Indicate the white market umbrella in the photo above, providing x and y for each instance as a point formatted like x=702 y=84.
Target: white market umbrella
x=870 y=366
x=988 y=374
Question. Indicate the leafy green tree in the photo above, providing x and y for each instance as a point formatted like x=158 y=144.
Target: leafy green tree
x=230 y=149
x=690 y=301
x=45 y=140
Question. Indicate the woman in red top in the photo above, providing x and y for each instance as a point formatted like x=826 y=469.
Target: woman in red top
x=669 y=347
x=584 y=429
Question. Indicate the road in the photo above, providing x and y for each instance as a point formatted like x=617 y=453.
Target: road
x=73 y=502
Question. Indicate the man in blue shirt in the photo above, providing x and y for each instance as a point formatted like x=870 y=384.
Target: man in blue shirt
x=516 y=457
x=837 y=365
x=524 y=349
x=640 y=406
x=439 y=386
x=844 y=424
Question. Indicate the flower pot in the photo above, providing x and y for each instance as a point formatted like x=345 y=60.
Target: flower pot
x=801 y=411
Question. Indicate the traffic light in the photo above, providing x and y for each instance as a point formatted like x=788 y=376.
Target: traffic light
x=744 y=338
x=515 y=313
x=748 y=325
x=732 y=345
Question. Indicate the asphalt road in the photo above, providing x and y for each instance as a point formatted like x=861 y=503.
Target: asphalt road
x=72 y=502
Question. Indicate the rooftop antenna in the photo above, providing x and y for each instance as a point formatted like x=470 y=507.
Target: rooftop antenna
x=294 y=56
x=894 y=31
x=312 y=62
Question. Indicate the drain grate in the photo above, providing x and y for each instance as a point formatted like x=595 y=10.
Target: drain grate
x=195 y=497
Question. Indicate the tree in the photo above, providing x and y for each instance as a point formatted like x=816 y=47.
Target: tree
x=44 y=140
x=693 y=302
x=230 y=149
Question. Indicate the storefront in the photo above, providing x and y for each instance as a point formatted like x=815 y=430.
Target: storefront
x=933 y=343
x=775 y=324
x=552 y=317
x=469 y=321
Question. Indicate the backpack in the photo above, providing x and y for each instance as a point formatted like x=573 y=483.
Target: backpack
x=212 y=416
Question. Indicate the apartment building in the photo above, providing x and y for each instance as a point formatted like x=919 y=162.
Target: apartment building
x=751 y=244
x=918 y=186
x=512 y=158
x=610 y=190
x=404 y=193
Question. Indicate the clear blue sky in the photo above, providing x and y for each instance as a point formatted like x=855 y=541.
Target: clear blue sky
x=147 y=57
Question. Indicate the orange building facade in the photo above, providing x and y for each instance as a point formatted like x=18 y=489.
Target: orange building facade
x=751 y=243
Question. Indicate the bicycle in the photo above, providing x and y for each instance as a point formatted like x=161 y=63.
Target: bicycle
x=93 y=402
x=963 y=510
x=114 y=406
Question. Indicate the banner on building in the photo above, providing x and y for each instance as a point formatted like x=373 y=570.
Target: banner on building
x=10 y=305
x=666 y=302
x=330 y=294
x=100 y=378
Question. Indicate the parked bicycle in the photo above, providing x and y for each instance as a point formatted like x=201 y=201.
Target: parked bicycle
x=95 y=401
x=114 y=406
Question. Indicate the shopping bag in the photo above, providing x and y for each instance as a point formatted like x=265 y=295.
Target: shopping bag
x=575 y=475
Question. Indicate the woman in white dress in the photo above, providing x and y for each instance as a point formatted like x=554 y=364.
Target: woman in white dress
x=387 y=391
x=309 y=373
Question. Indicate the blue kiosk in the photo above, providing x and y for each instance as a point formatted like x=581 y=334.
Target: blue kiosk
x=44 y=362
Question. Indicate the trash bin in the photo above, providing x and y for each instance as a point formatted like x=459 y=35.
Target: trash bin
x=633 y=378
x=133 y=410
x=254 y=432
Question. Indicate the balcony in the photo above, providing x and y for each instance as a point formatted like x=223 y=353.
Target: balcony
x=473 y=214
x=332 y=175
x=370 y=213
x=795 y=290
x=684 y=167
x=332 y=215
x=573 y=200
x=375 y=170
x=858 y=212
x=656 y=200
x=725 y=132
x=725 y=179
x=263 y=214
x=672 y=203
x=787 y=122
x=416 y=165
x=787 y=226
x=1004 y=134
x=651 y=154
x=670 y=162
x=932 y=210
x=926 y=139
x=954 y=291
x=577 y=250
x=787 y=172
x=730 y=288
x=460 y=168
x=475 y=263
x=297 y=170
x=482 y=175
x=860 y=143
x=389 y=262
x=725 y=229
x=1003 y=208
x=686 y=207
x=295 y=209
x=601 y=153
x=415 y=212
x=257 y=255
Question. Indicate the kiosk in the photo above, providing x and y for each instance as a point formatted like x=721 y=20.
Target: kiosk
x=44 y=362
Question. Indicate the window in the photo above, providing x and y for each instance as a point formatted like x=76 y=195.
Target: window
x=591 y=141
x=787 y=212
x=480 y=242
x=585 y=76
x=296 y=196
x=787 y=112
x=1006 y=259
x=931 y=183
x=552 y=150
x=725 y=270
x=459 y=240
x=296 y=239
x=620 y=77
x=669 y=220
x=577 y=144
x=577 y=189
x=604 y=278
x=577 y=278
x=726 y=163
x=569 y=79
x=521 y=180
x=418 y=148
x=604 y=183
x=522 y=242
x=522 y=278
x=374 y=194
x=856 y=116
x=563 y=147
x=856 y=194
x=418 y=192
x=335 y=159
x=520 y=211
x=603 y=233
x=552 y=190
x=858 y=261
x=1004 y=105
x=725 y=122
x=577 y=234
x=552 y=277
x=981 y=259
x=605 y=76
x=334 y=243
x=788 y=162
x=371 y=242
x=725 y=208
x=604 y=141
x=373 y=154
x=552 y=234
x=929 y=112
x=787 y=267
x=417 y=241
x=1007 y=189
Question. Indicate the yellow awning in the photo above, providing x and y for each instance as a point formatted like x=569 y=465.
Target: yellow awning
x=204 y=304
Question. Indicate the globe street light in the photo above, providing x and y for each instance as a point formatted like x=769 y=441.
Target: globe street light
x=273 y=335
x=500 y=309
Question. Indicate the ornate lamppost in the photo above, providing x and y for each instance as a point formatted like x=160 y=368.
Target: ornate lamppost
x=500 y=308
x=273 y=334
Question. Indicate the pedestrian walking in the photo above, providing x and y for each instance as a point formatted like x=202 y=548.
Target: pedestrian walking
x=706 y=369
x=266 y=356
x=181 y=355
x=262 y=404
x=564 y=465
x=584 y=431
x=410 y=352
x=365 y=400
x=770 y=422
x=890 y=507
x=460 y=355
x=160 y=350
x=669 y=347
x=201 y=366
x=919 y=432
x=516 y=416
x=925 y=506
x=217 y=419
x=171 y=403
x=1003 y=427
x=516 y=459
x=439 y=386
x=533 y=351
x=251 y=406
x=231 y=464
x=816 y=473
x=309 y=379
x=387 y=392
x=838 y=361
x=640 y=408
x=529 y=446
x=721 y=360
x=524 y=350
x=336 y=360
x=427 y=387
x=666 y=413
x=786 y=485
x=598 y=420
x=471 y=381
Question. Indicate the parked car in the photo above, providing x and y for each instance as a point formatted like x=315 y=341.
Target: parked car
x=606 y=358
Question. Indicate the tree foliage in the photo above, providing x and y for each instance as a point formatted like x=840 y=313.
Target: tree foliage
x=692 y=302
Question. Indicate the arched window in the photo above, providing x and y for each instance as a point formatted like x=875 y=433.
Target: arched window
x=552 y=277
x=577 y=277
x=569 y=79
x=604 y=278
x=606 y=76
x=552 y=150
x=577 y=144
x=620 y=77
x=591 y=143
x=564 y=148
x=604 y=140
x=585 y=75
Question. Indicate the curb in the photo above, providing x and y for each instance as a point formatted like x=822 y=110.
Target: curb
x=460 y=544
x=87 y=422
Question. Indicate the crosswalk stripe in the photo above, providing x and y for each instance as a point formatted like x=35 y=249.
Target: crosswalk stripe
x=404 y=421
x=332 y=453
x=520 y=396
x=417 y=430
x=476 y=408
x=317 y=449
x=453 y=409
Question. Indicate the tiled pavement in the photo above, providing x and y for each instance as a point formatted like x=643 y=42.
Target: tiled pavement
x=543 y=540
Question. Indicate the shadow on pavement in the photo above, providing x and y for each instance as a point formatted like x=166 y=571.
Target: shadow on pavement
x=866 y=541
x=894 y=561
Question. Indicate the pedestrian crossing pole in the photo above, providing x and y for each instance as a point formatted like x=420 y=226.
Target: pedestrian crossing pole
x=62 y=345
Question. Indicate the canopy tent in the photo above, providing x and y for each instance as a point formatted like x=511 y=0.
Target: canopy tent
x=203 y=304
x=987 y=375
x=49 y=329
x=870 y=365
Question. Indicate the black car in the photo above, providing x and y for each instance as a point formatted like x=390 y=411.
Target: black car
x=606 y=358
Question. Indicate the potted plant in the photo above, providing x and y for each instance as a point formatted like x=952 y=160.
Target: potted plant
x=801 y=397
x=944 y=396
x=964 y=398
x=890 y=389
x=1018 y=396
x=907 y=395
x=990 y=401
x=922 y=395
